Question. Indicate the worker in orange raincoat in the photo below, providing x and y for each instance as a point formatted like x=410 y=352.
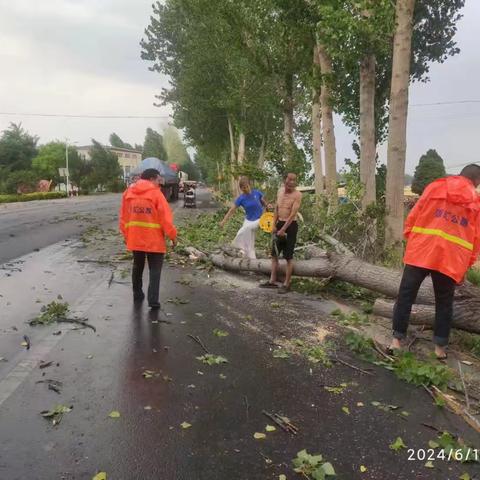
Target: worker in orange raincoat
x=145 y=220
x=443 y=241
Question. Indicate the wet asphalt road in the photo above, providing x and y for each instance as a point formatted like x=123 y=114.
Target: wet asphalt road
x=27 y=226
x=102 y=372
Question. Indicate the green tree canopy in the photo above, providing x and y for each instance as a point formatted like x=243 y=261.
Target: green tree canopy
x=429 y=168
x=51 y=157
x=116 y=141
x=105 y=172
x=17 y=148
x=153 y=145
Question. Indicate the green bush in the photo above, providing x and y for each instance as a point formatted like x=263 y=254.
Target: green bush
x=28 y=197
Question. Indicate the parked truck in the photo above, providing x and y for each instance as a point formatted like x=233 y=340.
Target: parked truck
x=170 y=178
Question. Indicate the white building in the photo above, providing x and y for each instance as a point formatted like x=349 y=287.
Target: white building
x=128 y=158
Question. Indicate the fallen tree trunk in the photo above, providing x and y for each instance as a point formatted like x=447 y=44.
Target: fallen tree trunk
x=342 y=267
x=465 y=313
x=373 y=277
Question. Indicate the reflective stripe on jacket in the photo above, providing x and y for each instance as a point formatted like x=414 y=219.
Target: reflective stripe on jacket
x=145 y=218
x=443 y=229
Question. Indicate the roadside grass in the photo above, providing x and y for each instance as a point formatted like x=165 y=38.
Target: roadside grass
x=28 y=197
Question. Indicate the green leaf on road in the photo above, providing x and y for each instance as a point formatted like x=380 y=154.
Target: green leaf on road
x=270 y=428
x=280 y=354
x=397 y=444
x=282 y=477
x=465 y=476
x=433 y=444
x=328 y=469
x=210 y=359
x=185 y=425
x=114 y=414
x=220 y=333
x=429 y=464
x=259 y=436
x=346 y=410
x=100 y=476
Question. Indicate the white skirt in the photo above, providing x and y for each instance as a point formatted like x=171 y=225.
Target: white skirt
x=245 y=239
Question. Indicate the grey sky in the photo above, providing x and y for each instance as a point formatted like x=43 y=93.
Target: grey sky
x=83 y=57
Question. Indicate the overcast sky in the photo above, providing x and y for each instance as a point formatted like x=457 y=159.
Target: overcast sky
x=82 y=57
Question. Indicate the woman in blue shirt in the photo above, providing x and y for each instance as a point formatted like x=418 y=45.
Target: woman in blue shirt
x=253 y=203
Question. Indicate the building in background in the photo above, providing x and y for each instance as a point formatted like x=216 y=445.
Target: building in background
x=128 y=158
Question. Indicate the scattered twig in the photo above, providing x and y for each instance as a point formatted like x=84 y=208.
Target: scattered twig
x=27 y=341
x=467 y=399
x=343 y=362
x=415 y=338
x=381 y=352
x=458 y=409
x=247 y=406
x=432 y=427
x=79 y=321
x=268 y=461
x=54 y=388
x=110 y=280
x=287 y=426
x=453 y=388
x=197 y=339
x=429 y=392
x=45 y=365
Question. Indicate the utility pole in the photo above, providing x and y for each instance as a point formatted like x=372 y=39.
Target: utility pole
x=66 y=159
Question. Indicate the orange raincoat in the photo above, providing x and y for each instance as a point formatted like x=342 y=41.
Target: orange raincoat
x=443 y=228
x=145 y=218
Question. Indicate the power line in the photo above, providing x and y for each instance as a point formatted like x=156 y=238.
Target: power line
x=453 y=102
x=59 y=115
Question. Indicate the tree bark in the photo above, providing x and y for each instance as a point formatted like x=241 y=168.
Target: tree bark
x=261 y=155
x=288 y=122
x=241 y=148
x=367 y=130
x=233 y=158
x=397 y=136
x=232 y=142
x=465 y=314
x=317 y=130
x=328 y=128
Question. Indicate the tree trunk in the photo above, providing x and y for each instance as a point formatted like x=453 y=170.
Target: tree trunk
x=288 y=123
x=241 y=148
x=261 y=155
x=328 y=129
x=465 y=313
x=232 y=142
x=233 y=159
x=367 y=130
x=373 y=277
x=317 y=130
x=397 y=136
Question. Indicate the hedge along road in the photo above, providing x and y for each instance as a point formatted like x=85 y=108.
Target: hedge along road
x=26 y=227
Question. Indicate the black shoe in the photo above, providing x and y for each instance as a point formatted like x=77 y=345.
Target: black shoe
x=154 y=306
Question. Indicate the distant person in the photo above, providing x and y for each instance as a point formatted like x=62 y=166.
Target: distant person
x=443 y=241
x=145 y=220
x=253 y=203
x=285 y=231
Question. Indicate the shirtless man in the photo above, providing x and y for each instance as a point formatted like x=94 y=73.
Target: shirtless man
x=285 y=231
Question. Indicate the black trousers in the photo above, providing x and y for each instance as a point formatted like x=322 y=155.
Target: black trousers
x=444 y=289
x=155 y=263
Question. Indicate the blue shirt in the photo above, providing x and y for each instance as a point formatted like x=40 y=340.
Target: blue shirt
x=251 y=203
